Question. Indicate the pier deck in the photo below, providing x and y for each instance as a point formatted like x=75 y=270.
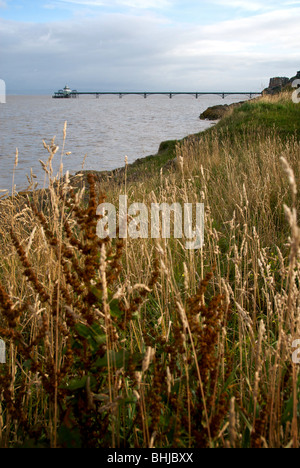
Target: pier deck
x=97 y=94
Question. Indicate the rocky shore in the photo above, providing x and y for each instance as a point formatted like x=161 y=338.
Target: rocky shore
x=276 y=85
x=218 y=112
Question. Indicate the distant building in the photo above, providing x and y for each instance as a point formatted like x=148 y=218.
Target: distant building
x=65 y=93
x=278 y=82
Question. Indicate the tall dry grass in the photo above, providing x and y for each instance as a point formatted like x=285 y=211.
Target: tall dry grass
x=144 y=343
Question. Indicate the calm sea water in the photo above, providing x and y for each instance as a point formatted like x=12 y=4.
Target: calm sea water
x=105 y=130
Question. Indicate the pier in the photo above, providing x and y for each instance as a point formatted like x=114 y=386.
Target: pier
x=67 y=93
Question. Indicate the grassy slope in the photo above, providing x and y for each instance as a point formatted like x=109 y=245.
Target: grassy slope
x=283 y=115
x=263 y=114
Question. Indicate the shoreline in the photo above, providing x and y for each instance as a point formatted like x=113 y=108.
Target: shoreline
x=163 y=159
x=214 y=114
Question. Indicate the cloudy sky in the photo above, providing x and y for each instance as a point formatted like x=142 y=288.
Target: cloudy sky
x=147 y=45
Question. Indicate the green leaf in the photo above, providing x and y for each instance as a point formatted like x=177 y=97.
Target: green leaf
x=27 y=364
x=83 y=330
x=93 y=334
x=118 y=359
x=78 y=384
x=115 y=310
x=97 y=292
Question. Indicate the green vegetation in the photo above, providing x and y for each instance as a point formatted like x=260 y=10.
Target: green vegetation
x=141 y=342
x=269 y=115
x=265 y=114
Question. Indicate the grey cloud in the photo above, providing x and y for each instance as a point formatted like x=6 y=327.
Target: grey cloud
x=123 y=52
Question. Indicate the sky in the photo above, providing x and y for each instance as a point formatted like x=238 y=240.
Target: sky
x=147 y=45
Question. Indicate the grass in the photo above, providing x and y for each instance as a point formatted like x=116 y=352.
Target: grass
x=267 y=113
x=140 y=342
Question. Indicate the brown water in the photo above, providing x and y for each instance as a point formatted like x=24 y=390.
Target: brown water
x=105 y=129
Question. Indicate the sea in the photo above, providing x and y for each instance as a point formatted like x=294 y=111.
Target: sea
x=100 y=132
